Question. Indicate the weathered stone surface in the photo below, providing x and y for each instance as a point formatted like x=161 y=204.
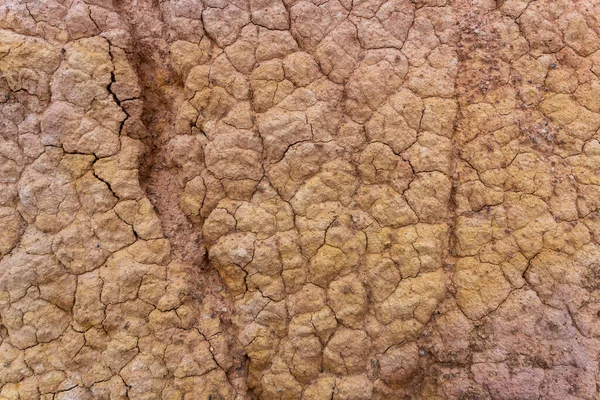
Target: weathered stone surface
x=282 y=199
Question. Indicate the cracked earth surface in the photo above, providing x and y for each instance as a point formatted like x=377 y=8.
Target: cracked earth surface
x=281 y=199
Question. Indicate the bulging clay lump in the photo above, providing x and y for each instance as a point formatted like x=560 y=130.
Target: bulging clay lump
x=299 y=199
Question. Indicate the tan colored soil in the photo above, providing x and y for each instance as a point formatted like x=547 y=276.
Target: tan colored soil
x=314 y=199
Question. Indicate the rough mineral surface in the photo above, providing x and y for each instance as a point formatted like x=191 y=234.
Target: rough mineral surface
x=299 y=199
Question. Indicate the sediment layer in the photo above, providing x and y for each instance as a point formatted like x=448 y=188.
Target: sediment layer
x=280 y=199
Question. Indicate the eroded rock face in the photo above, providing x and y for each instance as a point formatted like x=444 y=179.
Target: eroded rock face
x=282 y=199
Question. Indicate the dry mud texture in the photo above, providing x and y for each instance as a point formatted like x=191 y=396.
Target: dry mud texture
x=280 y=199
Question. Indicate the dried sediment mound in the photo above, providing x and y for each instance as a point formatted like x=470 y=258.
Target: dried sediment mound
x=280 y=199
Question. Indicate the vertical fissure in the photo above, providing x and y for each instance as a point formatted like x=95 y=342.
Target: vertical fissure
x=162 y=91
